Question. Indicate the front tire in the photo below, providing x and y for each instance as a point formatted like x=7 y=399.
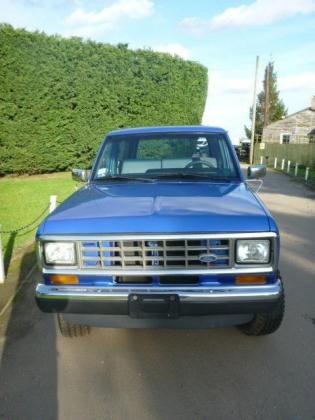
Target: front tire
x=72 y=330
x=266 y=323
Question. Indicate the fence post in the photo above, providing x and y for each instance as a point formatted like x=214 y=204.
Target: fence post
x=306 y=174
x=275 y=164
x=296 y=169
x=282 y=164
x=52 y=203
x=288 y=168
x=2 y=275
x=261 y=160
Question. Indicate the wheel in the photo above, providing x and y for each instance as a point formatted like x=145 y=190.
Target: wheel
x=193 y=163
x=72 y=330
x=266 y=323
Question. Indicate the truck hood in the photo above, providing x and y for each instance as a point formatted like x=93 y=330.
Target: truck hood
x=161 y=207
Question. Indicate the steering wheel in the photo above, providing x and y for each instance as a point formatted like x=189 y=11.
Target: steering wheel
x=194 y=163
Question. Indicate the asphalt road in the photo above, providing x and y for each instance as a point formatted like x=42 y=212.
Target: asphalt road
x=162 y=374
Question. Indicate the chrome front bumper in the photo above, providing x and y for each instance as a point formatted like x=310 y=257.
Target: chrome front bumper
x=196 y=308
x=213 y=294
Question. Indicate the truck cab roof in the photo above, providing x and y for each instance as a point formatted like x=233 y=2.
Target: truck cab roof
x=167 y=129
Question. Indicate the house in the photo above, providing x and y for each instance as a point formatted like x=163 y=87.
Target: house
x=295 y=128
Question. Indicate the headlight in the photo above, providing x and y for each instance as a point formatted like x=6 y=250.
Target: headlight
x=253 y=251
x=62 y=253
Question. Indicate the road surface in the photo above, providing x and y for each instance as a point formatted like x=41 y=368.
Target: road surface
x=161 y=374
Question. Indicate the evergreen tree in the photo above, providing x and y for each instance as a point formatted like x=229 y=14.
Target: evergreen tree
x=267 y=111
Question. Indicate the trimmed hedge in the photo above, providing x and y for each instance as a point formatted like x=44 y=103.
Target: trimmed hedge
x=59 y=97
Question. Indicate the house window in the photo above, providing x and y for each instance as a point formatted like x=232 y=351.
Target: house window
x=285 y=138
x=311 y=136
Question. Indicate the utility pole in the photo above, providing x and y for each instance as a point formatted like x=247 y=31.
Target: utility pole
x=254 y=114
x=267 y=89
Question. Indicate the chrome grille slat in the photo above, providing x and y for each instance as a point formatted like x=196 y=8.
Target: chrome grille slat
x=186 y=254
x=160 y=254
x=143 y=254
x=167 y=248
x=178 y=258
x=164 y=253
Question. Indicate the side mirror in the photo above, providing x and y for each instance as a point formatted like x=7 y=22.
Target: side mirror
x=256 y=171
x=81 y=175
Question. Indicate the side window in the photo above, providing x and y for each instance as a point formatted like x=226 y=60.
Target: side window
x=122 y=153
x=227 y=162
x=114 y=154
x=103 y=167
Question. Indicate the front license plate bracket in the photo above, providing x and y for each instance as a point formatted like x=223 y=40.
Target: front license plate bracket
x=153 y=305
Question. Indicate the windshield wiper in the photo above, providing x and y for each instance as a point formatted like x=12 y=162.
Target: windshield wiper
x=123 y=178
x=170 y=175
x=186 y=175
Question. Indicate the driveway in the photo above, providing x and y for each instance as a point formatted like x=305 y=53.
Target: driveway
x=161 y=374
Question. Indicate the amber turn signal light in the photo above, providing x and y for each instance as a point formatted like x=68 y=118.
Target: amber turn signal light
x=61 y=279
x=250 y=279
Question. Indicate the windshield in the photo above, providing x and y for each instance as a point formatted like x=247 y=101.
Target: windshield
x=165 y=155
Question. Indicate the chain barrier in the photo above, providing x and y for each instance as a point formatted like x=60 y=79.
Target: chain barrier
x=7 y=232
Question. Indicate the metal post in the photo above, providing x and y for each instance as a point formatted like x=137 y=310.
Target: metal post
x=288 y=167
x=282 y=164
x=2 y=274
x=52 y=203
x=306 y=174
x=254 y=114
x=296 y=169
x=275 y=164
x=261 y=160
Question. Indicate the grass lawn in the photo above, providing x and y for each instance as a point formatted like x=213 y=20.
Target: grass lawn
x=300 y=174
x=22 y=199
x=311 y=174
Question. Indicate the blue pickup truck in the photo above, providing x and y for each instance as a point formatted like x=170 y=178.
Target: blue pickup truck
x=164 y=233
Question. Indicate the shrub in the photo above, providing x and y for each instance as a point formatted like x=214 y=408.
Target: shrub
x=59 y=97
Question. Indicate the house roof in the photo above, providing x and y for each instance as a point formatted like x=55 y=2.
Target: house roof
x=291 y=115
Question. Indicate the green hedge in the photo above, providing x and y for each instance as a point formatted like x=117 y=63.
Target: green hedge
x=59 y=97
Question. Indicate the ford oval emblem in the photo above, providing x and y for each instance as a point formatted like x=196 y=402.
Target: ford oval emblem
x=207 y=258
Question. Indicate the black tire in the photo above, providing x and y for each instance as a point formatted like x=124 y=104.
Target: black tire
x=266 y=323
x=72 y=330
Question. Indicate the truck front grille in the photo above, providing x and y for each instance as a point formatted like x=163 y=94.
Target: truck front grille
x=148 y=254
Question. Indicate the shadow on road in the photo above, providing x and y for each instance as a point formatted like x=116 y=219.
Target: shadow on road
x=8 y=252
x=170 y=374
x=28 y=368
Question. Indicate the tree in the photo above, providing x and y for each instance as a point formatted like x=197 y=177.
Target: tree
x=269 y=106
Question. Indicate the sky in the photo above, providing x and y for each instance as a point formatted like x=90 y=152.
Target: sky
x=225 y=36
